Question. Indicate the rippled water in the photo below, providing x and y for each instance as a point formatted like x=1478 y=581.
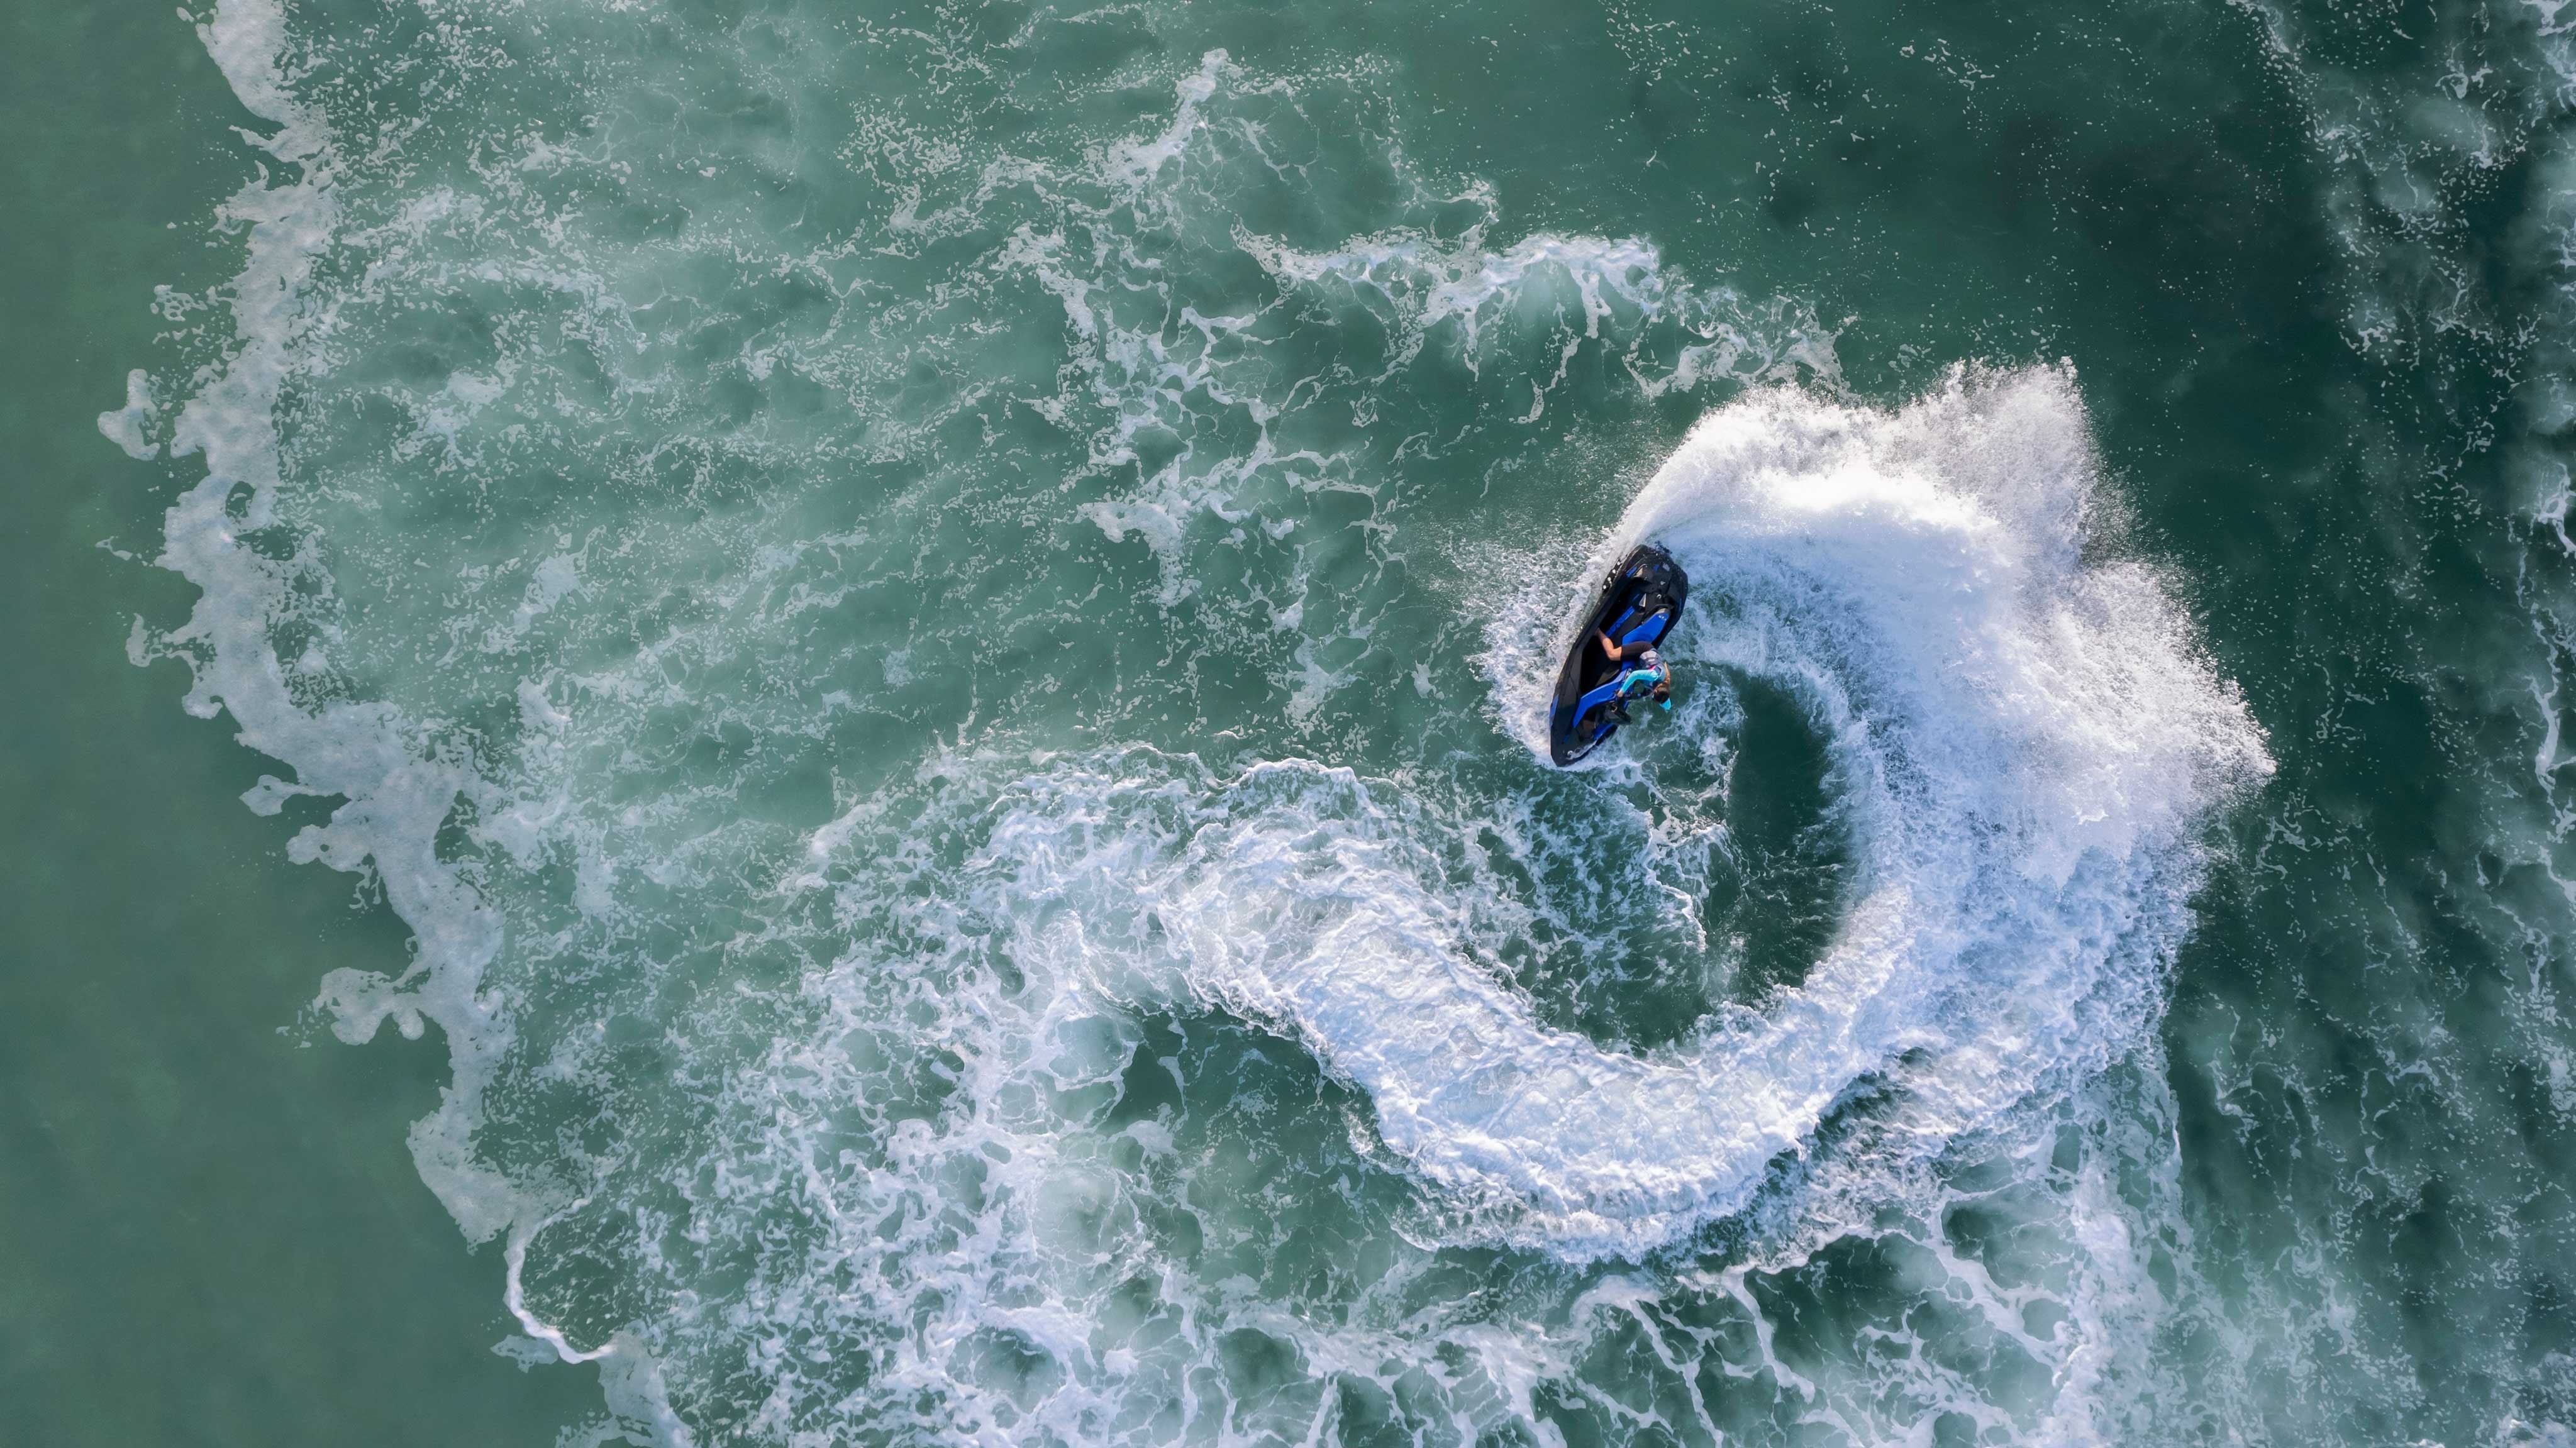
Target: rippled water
x=932 y=624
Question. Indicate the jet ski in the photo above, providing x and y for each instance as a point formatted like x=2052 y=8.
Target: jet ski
x=1638 y=604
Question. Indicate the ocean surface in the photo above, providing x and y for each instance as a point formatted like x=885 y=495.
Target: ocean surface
x=807 y=723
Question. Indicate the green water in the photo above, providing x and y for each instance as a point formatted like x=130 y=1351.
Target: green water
x=890 y=657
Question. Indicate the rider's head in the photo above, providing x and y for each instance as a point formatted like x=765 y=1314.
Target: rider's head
x=1663 y=690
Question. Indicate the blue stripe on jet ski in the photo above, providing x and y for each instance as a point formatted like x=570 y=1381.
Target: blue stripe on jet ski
x=1639 y=631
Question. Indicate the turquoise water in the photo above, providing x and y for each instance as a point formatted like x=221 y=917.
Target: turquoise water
x=913 y=643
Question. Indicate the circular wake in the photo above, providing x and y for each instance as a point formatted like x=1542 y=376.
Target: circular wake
x=2025 y=742
x=819 y=1084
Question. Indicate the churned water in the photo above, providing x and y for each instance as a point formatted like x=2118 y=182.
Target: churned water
x=921 y=635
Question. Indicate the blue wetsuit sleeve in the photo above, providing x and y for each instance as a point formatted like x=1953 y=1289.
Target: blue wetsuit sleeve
x=1638 y=681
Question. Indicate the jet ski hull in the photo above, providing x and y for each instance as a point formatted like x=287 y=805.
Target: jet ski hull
x=1638 y=603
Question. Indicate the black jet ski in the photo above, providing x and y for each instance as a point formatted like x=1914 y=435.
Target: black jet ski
x=1638 y=604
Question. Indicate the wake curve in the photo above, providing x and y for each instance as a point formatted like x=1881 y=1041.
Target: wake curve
x=2026 y=744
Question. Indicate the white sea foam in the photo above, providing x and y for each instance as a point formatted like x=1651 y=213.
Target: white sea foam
x=1167 y=368
x=397 y=786
x=130 y=426
x=2026 y=741
x=396 y=799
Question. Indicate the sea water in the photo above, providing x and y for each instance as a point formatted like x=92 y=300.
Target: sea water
x=933 y=624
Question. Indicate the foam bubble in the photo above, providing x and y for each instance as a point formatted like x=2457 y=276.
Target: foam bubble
x=130 y=426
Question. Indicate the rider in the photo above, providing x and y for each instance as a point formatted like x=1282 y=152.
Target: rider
x=1641 y=671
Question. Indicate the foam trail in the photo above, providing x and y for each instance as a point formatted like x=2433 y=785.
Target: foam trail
x=2024 y=746
x=398 y=788
x=2027 y=746
x=367 y=753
